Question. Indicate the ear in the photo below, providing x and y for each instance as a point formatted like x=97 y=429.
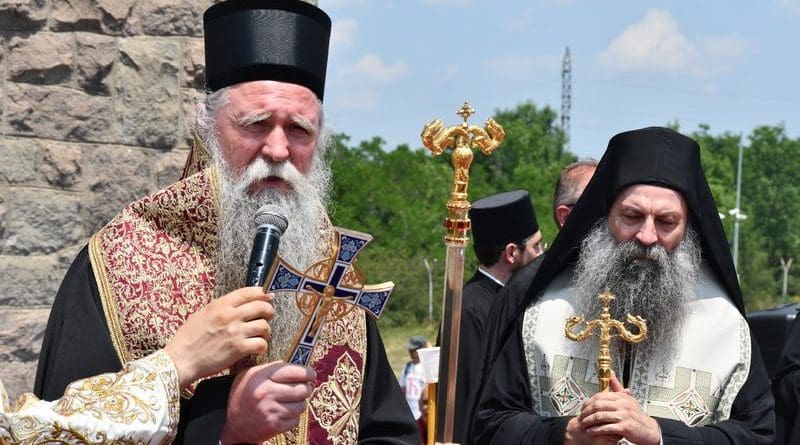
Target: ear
x=562 y=213
x=509 y=253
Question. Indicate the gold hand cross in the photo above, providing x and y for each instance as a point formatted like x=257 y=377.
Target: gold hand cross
x=606 y=326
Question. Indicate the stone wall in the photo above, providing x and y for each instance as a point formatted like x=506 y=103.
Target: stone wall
x=95 y=100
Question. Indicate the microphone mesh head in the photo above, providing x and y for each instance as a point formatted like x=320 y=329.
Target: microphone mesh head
x=272 y=215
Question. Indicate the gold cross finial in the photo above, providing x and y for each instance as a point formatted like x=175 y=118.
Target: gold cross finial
x=465 y=111
x=462 y=138
x=606 y=297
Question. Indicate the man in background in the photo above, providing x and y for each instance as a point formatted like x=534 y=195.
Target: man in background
x=569 y=188
x=412 y=379
x=506 y=237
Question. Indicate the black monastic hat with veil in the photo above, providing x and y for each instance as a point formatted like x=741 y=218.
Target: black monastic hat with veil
x=655 y=156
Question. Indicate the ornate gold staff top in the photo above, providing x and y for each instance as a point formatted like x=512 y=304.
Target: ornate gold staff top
x=462 y=138
x=606 y=325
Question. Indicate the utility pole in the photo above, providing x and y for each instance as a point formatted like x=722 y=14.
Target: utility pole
x=429 y=267
x=566 y=94
x=737 y=212
x=785 y=265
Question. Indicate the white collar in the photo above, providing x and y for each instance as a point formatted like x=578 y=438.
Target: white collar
x=491 y=277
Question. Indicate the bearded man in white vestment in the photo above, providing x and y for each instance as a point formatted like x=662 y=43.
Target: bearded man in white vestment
x=647 y=229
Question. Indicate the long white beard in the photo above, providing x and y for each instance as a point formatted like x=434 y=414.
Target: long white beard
x=304 y=206
x=647 y=281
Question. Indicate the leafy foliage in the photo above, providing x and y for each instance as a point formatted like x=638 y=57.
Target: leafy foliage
x=399 y=195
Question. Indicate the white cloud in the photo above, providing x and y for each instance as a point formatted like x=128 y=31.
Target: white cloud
x=363 y=79
x=516 y=66
x=343 y=34
x=361 y=100
x=792 y=6
x=656 y=44
x=450 y=71
x=372 y=70
x=720 y=54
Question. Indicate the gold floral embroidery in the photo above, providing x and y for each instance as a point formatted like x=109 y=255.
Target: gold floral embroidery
x=122 y=398
x=153 y=264
x=89 y=413
x=335 y=403
x=349 y=331
x=31 y=431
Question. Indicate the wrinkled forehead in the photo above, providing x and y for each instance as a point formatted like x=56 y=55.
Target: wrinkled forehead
x=270 y=95
x=651 y=197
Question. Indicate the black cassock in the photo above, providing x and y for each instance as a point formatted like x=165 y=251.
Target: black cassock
x=77 y=345
x=786 y=388
x=478 y=296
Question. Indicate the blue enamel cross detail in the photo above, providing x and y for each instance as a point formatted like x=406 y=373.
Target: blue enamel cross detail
x=333 y=294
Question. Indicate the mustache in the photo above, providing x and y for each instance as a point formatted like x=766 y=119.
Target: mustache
x=633 y=251
x=261 y=169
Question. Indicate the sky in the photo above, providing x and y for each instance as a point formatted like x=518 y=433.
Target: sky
x=396 y=64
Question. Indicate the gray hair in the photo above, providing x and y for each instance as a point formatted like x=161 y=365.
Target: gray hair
x=567 y=188
x=212 y=103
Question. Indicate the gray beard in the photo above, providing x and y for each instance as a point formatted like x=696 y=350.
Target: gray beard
x=647 y=281
x=304 y=205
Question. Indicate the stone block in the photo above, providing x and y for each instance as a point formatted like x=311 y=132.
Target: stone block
x=107 y=16
x=119 y=175
x=169 y=167
x=94 y=60
x=21 y=333
x=3 y=59
x=61 y=163
x=2 y=217
x=41 y=221
x=23 y=15
x=191 y=98
x=56 y=113
x=29 y=280
x=18 y=160
x=118 y=16
x=172 y=18
x=194 y=59
x=147 y=94
x=42 y=58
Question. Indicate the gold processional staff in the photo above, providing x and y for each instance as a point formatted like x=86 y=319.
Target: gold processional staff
x=462 y=139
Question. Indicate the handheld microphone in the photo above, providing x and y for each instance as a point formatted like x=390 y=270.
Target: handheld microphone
x=271 y=225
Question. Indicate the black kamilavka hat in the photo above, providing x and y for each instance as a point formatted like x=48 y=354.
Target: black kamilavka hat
x=283 y=40
x=503 y=218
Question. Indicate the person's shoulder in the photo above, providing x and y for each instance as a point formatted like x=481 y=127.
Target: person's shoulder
x=522 y=279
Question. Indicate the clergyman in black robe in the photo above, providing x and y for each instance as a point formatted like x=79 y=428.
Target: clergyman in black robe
x=786 y=388
x=169 y=254
x=710 y=388
x=506 y=237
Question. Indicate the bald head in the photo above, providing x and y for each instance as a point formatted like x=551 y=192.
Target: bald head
x=571 y=183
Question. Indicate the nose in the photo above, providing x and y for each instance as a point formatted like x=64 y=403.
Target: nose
x=276 y=146
x=647 y=235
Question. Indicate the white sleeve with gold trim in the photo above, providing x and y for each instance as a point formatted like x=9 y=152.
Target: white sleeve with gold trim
x=138 y=405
